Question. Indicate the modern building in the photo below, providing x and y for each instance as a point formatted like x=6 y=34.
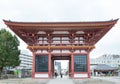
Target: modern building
x=26 y=61
x=50 y=41
x=111 y=60
x=105 y=64
x=57 y=66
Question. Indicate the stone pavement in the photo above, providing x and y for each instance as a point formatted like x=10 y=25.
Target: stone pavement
x=91 y=81
x=64 y=80
x=98 y=80
x=23 y=81
x=59 y=80
x=114 y=79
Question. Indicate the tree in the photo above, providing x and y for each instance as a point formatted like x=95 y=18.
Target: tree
x=9 y=52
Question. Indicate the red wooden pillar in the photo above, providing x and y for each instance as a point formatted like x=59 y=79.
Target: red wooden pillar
x=49 y=64
x=88 y=64
x=72 y=64
x=33 y=65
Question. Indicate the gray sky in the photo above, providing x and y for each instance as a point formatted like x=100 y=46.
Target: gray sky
x=67 y=10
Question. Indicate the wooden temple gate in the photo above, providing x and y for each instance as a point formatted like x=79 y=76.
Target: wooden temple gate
x=72 y=41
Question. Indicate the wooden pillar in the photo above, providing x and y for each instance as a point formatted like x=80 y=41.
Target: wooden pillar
x=33 y=65
x=52 y=68
x=49 y=64
x=72 y=64
x=88 y=64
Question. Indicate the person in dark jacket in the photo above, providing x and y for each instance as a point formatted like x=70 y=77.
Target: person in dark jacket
x=56 y=74
x=61 y=75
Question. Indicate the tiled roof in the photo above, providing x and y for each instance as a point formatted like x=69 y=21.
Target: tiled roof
x=104 y=67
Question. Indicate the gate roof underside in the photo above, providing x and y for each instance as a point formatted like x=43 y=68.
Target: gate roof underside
x=91 y=31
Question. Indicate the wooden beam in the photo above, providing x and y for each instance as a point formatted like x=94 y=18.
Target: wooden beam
x=60 y=47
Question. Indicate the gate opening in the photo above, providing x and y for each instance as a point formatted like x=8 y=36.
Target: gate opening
x=61 y=67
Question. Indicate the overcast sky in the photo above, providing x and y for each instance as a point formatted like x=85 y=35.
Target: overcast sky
x=67 y=10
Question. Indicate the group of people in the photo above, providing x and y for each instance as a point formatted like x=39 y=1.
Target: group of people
x=56 y=74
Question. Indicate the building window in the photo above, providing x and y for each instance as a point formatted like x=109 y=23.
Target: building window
x=41 y=63
x=80 y=63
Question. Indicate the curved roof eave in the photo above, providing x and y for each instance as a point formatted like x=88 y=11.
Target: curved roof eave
x=47 y=24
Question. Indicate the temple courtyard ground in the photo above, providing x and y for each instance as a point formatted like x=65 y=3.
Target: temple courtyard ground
x=64 y=80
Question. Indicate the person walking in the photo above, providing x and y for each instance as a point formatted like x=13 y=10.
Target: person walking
x=61 y=75
x=56 y=74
